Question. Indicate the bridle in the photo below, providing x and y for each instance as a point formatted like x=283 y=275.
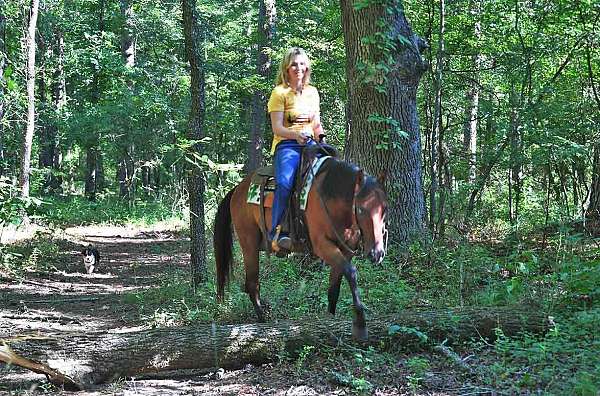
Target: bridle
x=355 y=227
x=355 y=224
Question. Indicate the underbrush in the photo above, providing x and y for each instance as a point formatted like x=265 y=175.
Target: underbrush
x=39 y=254
x=78 y=210
x=560 y=278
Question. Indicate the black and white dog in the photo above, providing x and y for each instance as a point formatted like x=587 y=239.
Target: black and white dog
x=91 y=258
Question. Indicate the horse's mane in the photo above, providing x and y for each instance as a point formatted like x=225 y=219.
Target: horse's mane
x=340 y=178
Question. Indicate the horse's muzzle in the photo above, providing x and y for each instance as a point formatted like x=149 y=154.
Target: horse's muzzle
x=376 y=255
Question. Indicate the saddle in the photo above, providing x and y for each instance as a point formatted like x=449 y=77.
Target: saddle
x=262 y=187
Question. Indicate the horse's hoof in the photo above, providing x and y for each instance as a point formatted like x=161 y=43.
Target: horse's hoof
x=360 y=333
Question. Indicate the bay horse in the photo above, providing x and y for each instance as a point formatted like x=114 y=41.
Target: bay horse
x=345 y=209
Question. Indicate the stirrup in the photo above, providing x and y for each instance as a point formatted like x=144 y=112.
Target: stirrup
x=283 y=243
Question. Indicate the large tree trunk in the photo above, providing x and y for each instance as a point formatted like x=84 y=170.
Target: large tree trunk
x=27 y=142
x=3 y=58
x=92 y=358
x=195 y=179
x=266 y=30
x=384 y=134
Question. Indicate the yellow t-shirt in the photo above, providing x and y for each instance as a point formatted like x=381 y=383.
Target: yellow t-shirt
x=284 y=98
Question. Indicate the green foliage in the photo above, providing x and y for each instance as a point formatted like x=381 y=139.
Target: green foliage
x=417 y=367
x=76 y=210
x=37 y=255
x=548 y=362
x=13 y=207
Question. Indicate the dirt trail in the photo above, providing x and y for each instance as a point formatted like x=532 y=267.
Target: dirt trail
x=65 y=298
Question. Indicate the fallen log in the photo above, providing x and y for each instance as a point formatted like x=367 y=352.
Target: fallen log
x=79 y=360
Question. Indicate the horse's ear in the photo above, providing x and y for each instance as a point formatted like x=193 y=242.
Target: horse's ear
x=360 y=178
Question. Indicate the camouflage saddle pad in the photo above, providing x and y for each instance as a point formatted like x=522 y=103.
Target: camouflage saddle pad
x=268 y=172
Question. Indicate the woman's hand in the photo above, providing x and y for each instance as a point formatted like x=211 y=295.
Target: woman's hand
x=303 y=137
x=302 y=123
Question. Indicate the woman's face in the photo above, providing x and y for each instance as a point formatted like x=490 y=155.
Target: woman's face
x=297 y=69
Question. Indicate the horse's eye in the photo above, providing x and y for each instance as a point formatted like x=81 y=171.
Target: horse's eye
x=361 y=211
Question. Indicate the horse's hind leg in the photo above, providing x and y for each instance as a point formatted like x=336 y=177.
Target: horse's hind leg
x=335 y=280
x=249 y=244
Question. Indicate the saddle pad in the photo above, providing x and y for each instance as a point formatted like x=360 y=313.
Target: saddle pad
x=254 y=189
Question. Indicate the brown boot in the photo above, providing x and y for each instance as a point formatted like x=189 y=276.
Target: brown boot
x=280 y=242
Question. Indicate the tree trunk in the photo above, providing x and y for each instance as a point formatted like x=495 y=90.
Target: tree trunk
x=126 y=162
x=435 y=165
x=195 y=177
x=92 y=358
x=94 y=176
x=384 y=134
x=514 y=173
x=46 y=146
x=91 y=173
x=3 y=58
x=27 y=143
x=472 y=108
x=592 y=212
x=266 y=30
x=59 y=100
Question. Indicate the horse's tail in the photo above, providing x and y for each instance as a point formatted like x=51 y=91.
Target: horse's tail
x=223 y=244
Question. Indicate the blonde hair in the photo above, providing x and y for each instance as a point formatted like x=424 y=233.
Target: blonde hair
x=282 y=77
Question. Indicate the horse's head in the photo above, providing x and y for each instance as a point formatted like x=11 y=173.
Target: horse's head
x=370 y=207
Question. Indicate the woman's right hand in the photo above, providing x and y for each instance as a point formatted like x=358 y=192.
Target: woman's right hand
x=301 y=124
x=303 y=137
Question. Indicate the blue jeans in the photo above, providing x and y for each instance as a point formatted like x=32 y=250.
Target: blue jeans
x=286 y=162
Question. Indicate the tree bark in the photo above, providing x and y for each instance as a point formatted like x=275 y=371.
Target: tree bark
x=126 y=162
x=592 y=212
x=46 y=144
x=3 y=58
x=435 y=166
x=94 y=175
x=266 y=30
x=59 y=100
x=91 y=172
x=472 y=108
x=27 y=142
x=384 y=134
x=195 y=177
x=92 y=358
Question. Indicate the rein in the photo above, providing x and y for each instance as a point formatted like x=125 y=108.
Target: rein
x=355 y=226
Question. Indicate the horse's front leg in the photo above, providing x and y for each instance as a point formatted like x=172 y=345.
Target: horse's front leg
x=342 y=267
x=359 y=324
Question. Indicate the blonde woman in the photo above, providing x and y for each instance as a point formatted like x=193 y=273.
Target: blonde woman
x=295 y=118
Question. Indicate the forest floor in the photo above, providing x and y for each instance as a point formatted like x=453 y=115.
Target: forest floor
x=65 y=298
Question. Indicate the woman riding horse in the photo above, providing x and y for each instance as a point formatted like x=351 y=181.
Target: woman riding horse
x=295 y=119
x=345 y=208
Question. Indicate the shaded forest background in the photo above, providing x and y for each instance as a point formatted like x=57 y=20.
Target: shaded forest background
x=507 y=137
x=508 y=110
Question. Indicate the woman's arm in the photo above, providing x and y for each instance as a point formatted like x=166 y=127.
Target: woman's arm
x=317 y=127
